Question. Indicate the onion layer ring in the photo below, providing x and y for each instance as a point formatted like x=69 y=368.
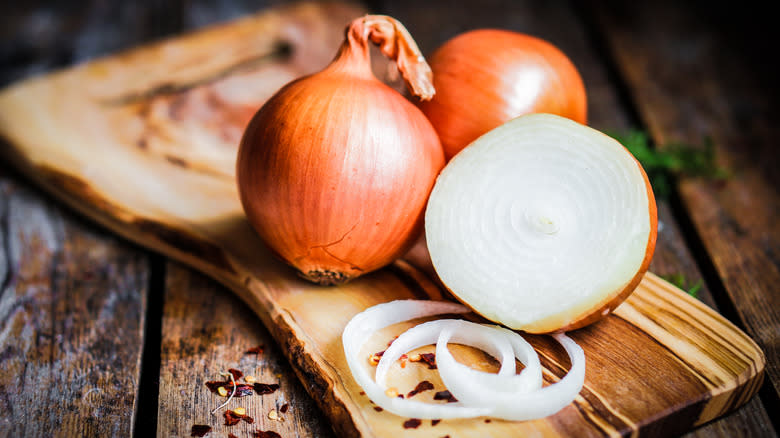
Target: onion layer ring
x=503 y=395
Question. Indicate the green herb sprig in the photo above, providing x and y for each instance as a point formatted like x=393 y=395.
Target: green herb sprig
x=672 y=160
x=680 y=281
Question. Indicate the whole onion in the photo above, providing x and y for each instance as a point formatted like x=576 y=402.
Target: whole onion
x=486 y=77
x=334 y=171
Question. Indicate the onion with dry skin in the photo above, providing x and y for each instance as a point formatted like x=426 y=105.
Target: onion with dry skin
x=542 y=224
x=486 y=77
x=334 y=171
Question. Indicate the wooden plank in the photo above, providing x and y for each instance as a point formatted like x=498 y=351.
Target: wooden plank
x=606 y=112
x=72 y=304
x=194 y=215
x=207 y=330
x=73 y=300
x=689 y=80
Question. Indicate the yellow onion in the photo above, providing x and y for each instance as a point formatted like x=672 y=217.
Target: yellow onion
x=334 y=171
x=486 y=77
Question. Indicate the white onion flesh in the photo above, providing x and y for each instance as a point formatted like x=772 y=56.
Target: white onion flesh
x=539 y=222
x=473 y=387
x=362 y=325
x=503 y=395
x=509 y=404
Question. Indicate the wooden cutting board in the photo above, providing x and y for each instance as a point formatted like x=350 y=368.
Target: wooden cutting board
x=144 y=142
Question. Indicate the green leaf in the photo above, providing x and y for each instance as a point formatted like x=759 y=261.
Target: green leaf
x=671 y=160
x=680 y=281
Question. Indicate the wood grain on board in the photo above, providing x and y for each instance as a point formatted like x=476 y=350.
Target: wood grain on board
x=691 y=82
x=170 y=130
x=205 y=332
x=72 y=306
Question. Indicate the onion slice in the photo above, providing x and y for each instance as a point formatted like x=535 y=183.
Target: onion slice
x=473 y=387
x=469 y=333
x=382 y=315
x=512 y=403
x=503 y=395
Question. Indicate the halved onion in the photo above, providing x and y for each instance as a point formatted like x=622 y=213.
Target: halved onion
x=503 y=395
x=542 y=224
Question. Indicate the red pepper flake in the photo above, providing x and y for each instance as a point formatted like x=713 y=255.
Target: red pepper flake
x=435 y=422
x=248 y=419
x=430 y=359
x=231 y=418
x=422 y=386
x=412 y=423
x=230 y=435
x=392 y=340
x=256 y=350
x=487 y=420
x=200 y=430
x=242 y=389
x=378 y=409
x=237 y=374
x=362 y=393
x=265 y=434
x=445 y=395
x=265 y=388
x=284 y=408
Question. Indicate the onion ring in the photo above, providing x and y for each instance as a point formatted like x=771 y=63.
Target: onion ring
x=383 y=315
x=502 y=395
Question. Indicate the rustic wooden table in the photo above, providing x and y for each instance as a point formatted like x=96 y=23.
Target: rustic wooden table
x=99 y=337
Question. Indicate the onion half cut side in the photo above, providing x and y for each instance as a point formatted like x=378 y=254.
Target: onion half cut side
x=503 y=395
x=542 y=224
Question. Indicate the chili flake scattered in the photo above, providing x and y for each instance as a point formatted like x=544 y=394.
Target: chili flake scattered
x=224 y=388
x=445 y=395
x=200 y=430
x=487 y=420
x=422 y=386
x=430 y=359
x=412 y=423
x=237 y=374
x=256 y=350
x=265 y=388
x=266 y=434
x=378 y=409
x=435 y=422
x=284 y=408
x=231 y=418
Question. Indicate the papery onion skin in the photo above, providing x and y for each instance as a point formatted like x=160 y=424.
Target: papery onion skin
x=334 y=171
x=486 y=77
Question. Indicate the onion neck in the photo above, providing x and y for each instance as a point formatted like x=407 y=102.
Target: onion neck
x=395 y=42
